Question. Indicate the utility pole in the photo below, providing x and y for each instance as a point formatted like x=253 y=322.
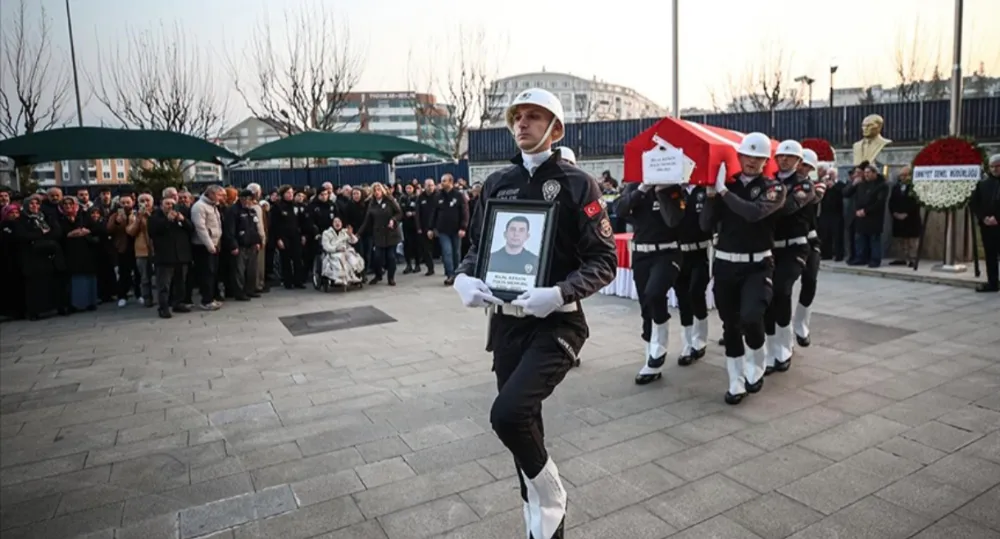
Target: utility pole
x=954 y=128
x=75 y=166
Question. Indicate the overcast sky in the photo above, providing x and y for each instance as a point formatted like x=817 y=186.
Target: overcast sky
x=627 y=42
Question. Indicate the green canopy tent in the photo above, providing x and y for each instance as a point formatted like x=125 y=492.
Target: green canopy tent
x=73 y=143
x=322 y=144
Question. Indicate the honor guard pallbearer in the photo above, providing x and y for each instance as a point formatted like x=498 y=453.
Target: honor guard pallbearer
x=810 y=276
x=744 y=212
x=693 y=279
x=536 y=338
x=791 y=254
x=655 y=213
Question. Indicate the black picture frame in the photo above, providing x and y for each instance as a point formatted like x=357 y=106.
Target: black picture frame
x=516 y=282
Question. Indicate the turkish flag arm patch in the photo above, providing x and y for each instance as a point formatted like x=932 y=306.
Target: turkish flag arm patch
x=593 y=209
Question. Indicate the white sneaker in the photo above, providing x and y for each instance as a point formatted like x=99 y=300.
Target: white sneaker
x=140 y=301
x=122 y=302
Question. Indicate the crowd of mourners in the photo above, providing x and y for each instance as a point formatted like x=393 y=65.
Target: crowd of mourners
x=178 y=251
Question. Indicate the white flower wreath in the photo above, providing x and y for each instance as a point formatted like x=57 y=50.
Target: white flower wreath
x=943 y=195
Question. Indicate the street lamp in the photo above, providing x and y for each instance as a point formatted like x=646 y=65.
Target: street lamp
x=76 y=167
x=833 y=69
x=809 y=82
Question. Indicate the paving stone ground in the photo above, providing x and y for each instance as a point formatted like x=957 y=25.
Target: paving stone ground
x=120 y=425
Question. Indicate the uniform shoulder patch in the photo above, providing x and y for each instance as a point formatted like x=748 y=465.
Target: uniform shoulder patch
x=801 y=194
x=606 y=229
x=593 y=209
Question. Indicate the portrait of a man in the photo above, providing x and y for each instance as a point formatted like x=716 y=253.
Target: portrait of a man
x=513 y=255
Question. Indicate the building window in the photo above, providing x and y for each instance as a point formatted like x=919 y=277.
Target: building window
x=106 y=174
x=121 y=175
x=105 y=162
x=244 y=132
x=120 y=162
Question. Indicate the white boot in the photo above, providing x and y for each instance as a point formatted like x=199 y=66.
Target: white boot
x=783 y=339
x=800 y=323
x=699 y=337
x=770 y=349
x=737 y=383
x=687 y=336
x=753 y=368
x=527 y=518
x=546 y=502
x=656 y=355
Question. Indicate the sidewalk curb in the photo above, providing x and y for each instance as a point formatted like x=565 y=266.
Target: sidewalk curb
x=912 y=277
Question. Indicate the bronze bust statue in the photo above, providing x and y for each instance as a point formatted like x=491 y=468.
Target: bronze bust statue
x=872 y=143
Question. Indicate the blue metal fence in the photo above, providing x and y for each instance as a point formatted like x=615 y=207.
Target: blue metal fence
x=272 y=178
x=904 y=123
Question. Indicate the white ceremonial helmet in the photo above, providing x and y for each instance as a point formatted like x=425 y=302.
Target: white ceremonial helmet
x=755 y=145
x=567 y=154
x=541 y=98
x=790 y=147
x=810 y=158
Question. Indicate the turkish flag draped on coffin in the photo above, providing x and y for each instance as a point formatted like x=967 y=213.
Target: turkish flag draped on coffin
x=706 y=145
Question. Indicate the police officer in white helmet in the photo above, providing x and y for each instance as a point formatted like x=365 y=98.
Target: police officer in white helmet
x=745 y=211
x=536 y=337
x=791 y=252
x=810 y=275
x=566 y=154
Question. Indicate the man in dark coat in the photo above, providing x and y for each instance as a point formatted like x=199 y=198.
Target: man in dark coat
x=985 y=204
x=170 y=231
x=869 y=193
x=905 y=210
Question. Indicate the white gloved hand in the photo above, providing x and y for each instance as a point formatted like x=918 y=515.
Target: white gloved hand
x=720 y=179
x=474 y=292
x=540 y=302
x=644 y=187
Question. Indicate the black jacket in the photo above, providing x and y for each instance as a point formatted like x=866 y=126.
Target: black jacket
x=171 y=239
x=985 y=201
x=904 y=200
x=321 y=215
x=745 y=214
x=794 y=220
x=451 y=212
x=239 y=228
x=832 y=205
x=286 y=222
x=583 y=259
x=81 y=251
x=354 y=214
x=409 y=204
x=39 y=241
x=426 y=207
x=870 y=196
x=655 y=215
x=380 y=213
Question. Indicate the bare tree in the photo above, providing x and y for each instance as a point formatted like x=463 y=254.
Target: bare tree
x=909 y=65
x=762 y=87
x=431 y=117
x=867 y=97
x=302 y=81
x=468 y=88
x=937 y=87
x=33 y=88
x=160 y=80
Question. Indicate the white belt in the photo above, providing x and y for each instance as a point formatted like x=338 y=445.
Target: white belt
x=801 y=240
x=742 y=257
x=812 y=235
x=518 y=312
x=653 y=247
x=696 y=246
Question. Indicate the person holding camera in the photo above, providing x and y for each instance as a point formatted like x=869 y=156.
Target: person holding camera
x=124 y=244
x=138 y=229
x=170 y=235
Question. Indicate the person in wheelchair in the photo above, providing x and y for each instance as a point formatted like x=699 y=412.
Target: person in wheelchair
x=341 y=264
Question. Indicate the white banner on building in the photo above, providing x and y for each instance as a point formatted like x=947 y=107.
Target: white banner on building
x=948 y=173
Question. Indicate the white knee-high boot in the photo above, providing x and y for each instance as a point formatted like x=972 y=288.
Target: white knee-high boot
x=699 y=338
x=753 y=368
x=546 y=502
x=656 y=355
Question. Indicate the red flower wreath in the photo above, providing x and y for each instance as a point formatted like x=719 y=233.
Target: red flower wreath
x=822 y=147
x=949 y=151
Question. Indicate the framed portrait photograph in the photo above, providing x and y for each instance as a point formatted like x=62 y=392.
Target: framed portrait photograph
x=515 y=246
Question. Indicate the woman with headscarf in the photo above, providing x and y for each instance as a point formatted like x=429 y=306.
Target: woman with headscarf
x=382 y=221
x=10 y=267
x=79 y=237
x=42 y=261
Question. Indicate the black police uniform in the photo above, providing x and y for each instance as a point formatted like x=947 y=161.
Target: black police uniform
x=426 y=208
x=287 y=225
x=791 y=254
x=411 y=238
x=810 y=276
x=531 y=355
x=524 y=262
x=656 y=261
x=693 y=279
x=239 y=233
x=985 y=202
x=744 y=265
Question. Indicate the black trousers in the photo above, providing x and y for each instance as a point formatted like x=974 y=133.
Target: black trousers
x=691 y=284
x=128 y=274
x=411 y=246
x=426 y=246
x=831 y=234
x=106 y=281
x=991 y=247
x=384 y=262
x=531 y=356
x=742 y=291
x=206 y=265
x=293 y=270
x=789 y=263
x=654 y=275
x=170 y=283
x=244 y=272
x=810 y=276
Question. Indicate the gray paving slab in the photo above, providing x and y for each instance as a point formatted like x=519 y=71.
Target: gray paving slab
x=226 y=425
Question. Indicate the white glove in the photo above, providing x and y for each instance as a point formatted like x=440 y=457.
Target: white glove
x=645 y=187
x=474 y=292
x=540 y=302
x=720 y=179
